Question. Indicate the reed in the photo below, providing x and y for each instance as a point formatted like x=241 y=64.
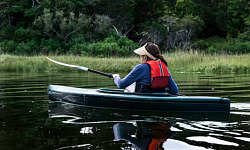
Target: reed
x=178 y=61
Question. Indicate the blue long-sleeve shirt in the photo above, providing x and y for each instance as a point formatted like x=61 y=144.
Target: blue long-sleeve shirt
x=141 y=74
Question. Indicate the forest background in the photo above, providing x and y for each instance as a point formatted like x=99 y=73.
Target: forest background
x=106 y=28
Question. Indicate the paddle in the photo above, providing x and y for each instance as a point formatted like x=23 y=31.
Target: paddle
x=81 y=68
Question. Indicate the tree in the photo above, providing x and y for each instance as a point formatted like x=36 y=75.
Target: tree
x=60 y=24
x=238 y=12
x=121 y=13
x=154 y=32
x=148 y=10
x=102 y=25
x=11 y=11
x=186 y=7
x=181 y=30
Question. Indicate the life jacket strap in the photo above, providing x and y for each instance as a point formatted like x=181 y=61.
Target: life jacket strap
x=161 y=69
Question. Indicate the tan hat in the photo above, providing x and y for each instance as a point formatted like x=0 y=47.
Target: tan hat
x=142 y=51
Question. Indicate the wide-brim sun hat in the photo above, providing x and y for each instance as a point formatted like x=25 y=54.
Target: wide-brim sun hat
x=143 y=51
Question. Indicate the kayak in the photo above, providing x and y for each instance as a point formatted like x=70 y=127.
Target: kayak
x=118 y=99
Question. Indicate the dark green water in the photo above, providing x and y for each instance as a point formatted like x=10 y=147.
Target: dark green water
x=29 y=121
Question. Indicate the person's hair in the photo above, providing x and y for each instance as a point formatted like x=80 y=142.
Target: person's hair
x=153 y=49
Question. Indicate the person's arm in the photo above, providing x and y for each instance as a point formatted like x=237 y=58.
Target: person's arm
x=172 y=87
x=132 y=77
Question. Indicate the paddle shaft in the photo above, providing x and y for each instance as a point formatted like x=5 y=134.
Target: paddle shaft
x=101 y=73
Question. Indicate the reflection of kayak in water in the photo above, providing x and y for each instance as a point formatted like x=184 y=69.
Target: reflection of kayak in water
x=118 y=99
x=78 y=114
x=93 y=122
x=144 y=135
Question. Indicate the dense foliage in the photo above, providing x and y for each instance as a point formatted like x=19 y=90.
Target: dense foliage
x=116 y=27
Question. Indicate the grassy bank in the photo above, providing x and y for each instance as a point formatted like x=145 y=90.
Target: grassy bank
x=178 y=62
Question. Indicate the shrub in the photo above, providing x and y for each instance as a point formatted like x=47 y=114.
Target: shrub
x=78 y=39
x=7 y=33
x=111 y=46
x=29 y=48
x=79 y=49
x=212 y=49
x=201 y=45
x=8 y=47
x=220 y=45
x=244 y=37
x=239 y=47
x=125 y=42
x=21 y=49
x=230 y=47
x=25 y=35
x=111 y=39
x=104 y=49
x=50 y=46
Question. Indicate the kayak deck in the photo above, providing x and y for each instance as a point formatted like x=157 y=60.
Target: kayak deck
x=117 y=98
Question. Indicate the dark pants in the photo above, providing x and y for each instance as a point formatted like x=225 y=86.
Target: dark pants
x=147 y=89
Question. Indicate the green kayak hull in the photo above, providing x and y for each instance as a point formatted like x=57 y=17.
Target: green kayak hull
x=118 y=99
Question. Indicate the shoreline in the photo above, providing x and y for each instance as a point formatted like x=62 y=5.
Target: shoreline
x=190 y=62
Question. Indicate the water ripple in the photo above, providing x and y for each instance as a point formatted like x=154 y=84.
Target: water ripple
x=211 y=140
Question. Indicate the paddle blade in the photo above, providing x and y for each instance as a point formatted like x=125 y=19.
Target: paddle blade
x=68 y=65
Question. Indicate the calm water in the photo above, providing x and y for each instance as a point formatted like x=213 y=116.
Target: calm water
x=29 y=121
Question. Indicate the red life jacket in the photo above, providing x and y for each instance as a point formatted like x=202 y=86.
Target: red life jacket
x=156 y=144
x=159 y=74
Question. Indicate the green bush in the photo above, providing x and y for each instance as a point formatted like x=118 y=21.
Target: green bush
x=212 y=49
x=79 y=49
x=104 y=49
x=201 y=45
x=239 y=47
x=8 y=47
x=7 y=33
x=111 y=39
x=29 y=48
x=205 y=44
x=220 y=45
x=230 y=47
x=126 y=43
x=50 y=46
x=244 y=37
x=12 y=47
x=78 y=39
x=110 y=46
x=24 y=35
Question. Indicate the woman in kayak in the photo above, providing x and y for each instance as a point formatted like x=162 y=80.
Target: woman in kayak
x=151 y=76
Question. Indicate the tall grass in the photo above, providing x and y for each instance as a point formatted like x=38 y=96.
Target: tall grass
x=179 y=61
x=10 y=63
x=193 y=61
